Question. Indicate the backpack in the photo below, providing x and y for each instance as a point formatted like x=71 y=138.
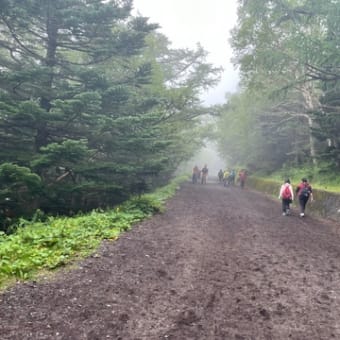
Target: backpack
x=305 y=191
x=286 y=194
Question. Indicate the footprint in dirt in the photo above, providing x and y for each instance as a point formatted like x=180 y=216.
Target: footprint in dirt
x=264 y=313
x=187 y=317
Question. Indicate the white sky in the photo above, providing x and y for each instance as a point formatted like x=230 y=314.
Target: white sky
x=187 y=22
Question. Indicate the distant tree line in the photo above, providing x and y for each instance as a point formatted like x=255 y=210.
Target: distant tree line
x=288 y=112
x=95 y=105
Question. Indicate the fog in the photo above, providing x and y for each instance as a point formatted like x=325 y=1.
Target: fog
x=207 y=155
x=189 y=22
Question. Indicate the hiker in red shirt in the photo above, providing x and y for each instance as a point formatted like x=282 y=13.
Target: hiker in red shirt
x=304 y=191
x=195 y=174
x=287 y=196
x=242 y=177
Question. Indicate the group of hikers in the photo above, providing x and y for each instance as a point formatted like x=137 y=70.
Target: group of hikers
x=200 y=174
x=303 y=191
x=228 y=177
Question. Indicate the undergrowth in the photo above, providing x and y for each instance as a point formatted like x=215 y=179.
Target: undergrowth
x=317 y=176
x=52 y=242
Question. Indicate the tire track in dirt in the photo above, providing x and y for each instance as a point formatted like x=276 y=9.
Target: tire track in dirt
x=220 y=263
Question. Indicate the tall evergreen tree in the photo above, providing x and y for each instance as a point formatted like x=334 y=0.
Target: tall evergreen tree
x=89 y=106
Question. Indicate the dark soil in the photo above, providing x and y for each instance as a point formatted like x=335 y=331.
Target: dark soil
x=220 y=263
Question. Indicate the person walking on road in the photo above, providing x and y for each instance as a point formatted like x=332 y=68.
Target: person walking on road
x=204 y=175
x=242 y=177
x=232 y=177
x=304 y=191
x=287 y=196
x=195 y=174
x=220 y=176
x=226 y=174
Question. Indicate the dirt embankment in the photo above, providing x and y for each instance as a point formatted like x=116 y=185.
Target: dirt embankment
x=220 y=263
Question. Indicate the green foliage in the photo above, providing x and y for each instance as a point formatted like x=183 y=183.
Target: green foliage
x=94 y=101
x=146 y=204
x=322 y=176
x=19 y=191
x=248 y=136
x=236 y=133
x=67 y=152
x=46 y=243
x=327 y=127
x=287 y=113
x=15 y=177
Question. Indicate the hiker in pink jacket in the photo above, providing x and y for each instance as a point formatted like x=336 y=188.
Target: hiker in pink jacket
x=287 y=196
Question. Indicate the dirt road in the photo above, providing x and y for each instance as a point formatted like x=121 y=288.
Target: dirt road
x=220 y=263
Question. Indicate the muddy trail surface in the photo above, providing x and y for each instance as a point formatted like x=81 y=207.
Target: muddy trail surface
x=220 y=263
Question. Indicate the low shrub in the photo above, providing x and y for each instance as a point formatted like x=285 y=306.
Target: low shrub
x=46 y=243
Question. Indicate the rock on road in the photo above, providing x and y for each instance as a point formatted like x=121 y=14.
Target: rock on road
x=220 y=263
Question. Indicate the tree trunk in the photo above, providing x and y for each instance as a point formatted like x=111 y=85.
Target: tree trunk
x=50 y=61
x=311 y=104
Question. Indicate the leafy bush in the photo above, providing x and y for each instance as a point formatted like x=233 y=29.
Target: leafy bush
x=319 y=176
x=18 y=185
x=50 y=242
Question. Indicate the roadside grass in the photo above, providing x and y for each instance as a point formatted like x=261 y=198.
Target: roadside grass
x=45 y=245
x=318 y=179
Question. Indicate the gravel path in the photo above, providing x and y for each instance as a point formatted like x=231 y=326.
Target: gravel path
x=220 y=263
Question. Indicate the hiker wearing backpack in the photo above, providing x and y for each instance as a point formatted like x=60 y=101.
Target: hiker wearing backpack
x=195 y=174
x=287 y=196
x=204 y=174
x=304 y=191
